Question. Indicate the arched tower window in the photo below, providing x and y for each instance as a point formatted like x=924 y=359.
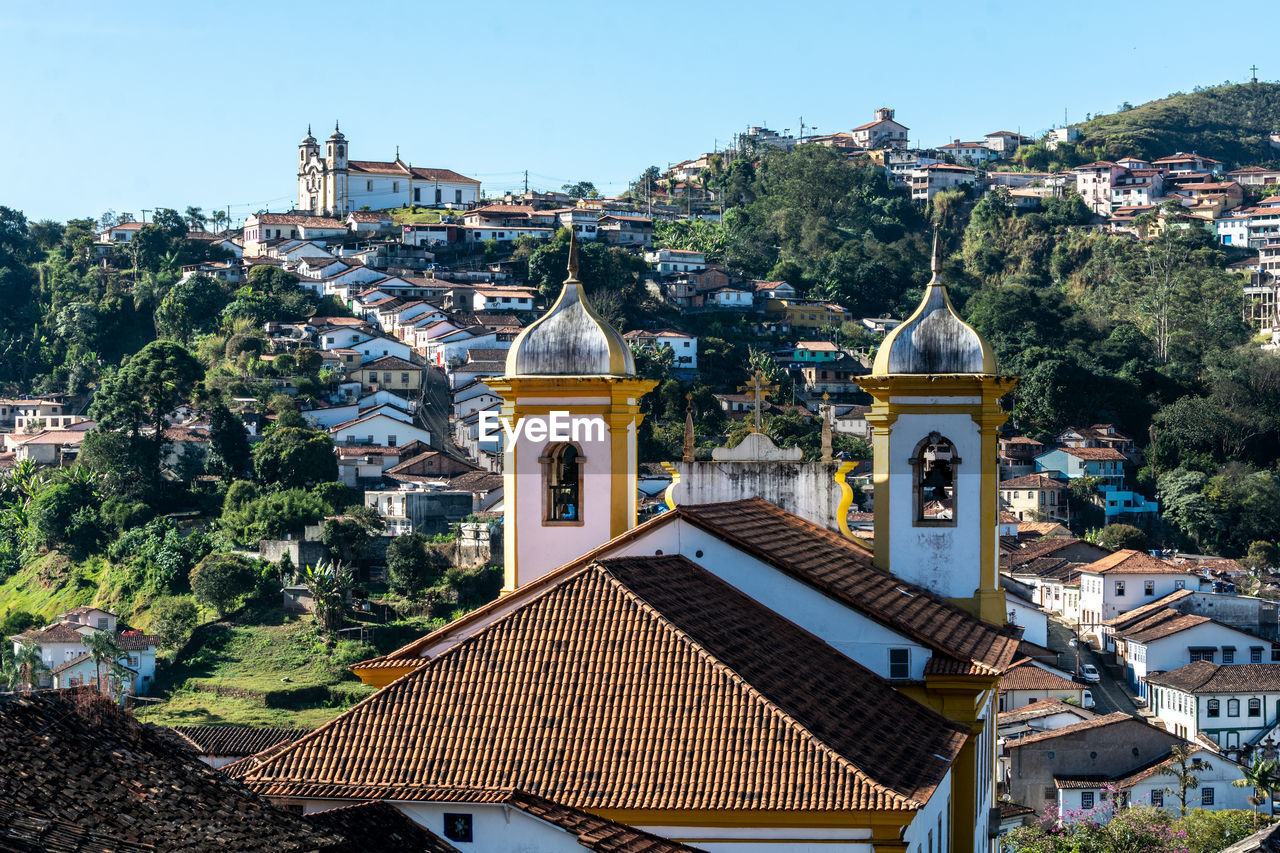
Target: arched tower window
x=934 y=468
x=342 y=150
x=562 y=468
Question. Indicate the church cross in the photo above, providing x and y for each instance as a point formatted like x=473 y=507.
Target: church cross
x=1253 y=71
x=760 y=390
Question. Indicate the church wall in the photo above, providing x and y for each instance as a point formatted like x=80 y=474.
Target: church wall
x=861 y=639
x=808 y=490
x=943 y=559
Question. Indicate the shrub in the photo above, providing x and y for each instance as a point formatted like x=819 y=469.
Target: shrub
x=173 y=618
x=413 y=565
x=219 y=580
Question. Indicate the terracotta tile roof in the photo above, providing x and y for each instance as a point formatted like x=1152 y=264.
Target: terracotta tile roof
x=1082 y=726
x=233 y=740
x=1025 y=675
x=1094 y=454
x=1041 y=548
x=376 y=827
x=82 y=760
x=1140 y=614
x=1128 y=562
x=1033 y=481
x=1042 y=708
x=574 y=692
x=22 y=832
x=593 y=832
x=376 y=167
x=390 y=362
x=1206 y=677
x=300 y=219
x=63 y=667
x=1150 y=769
x=476 y=481
x=845 y=571
x=1010 y=809
x=1164 y=623
x=369 y=216
x=58 y=632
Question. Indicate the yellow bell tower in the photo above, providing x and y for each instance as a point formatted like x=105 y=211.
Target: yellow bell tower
x=935 y=415
x=571 y=409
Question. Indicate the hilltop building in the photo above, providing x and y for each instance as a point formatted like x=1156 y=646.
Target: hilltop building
x=335 y=185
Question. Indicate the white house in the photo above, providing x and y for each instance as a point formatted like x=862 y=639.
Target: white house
x=884 y=132
x=1234 y=706
x=122 y=233
x=684 y=348
x=927 y=181
x=503 y=298
x=66 y=657
x=972 y=153
x=1162 y=639
x=1029 y=681
x=378 y=428
x=676 y=260
x=1124 y=580
x=729 y=299
x=1093 y=183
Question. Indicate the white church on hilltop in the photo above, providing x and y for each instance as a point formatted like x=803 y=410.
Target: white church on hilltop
x=334 y=184
x=727 y=677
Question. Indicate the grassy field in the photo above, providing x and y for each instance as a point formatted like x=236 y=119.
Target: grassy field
x=266 y=669
x=424 y=216
x=52 y=584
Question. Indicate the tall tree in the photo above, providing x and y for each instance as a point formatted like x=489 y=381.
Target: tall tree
x=147 y=388
x=195 y=219
x=1263 y=776
x=1185 y=769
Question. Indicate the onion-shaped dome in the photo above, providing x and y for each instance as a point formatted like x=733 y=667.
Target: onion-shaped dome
x=934 y=340
x=571 y=339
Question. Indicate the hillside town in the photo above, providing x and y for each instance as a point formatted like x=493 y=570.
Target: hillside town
x=817 y=492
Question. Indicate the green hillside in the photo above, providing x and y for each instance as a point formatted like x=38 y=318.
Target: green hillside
x=1228 y=123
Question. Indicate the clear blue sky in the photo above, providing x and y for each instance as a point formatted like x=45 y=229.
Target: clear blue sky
x=138 y=104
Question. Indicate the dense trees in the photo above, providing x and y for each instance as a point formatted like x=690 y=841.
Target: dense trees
x=294 y=457
x=219 y=580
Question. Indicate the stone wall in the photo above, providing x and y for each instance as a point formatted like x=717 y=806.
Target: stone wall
x=806 y=489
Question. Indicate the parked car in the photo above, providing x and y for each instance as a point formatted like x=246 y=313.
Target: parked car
x=1086 y=699
x=1090 y=673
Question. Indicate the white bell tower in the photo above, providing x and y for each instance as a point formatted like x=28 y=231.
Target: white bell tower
x=935 y=417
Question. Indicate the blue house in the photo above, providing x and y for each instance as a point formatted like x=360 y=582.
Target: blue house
x=1105 y=463
x=1118 y=503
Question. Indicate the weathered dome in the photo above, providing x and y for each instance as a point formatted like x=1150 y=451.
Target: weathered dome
x=337 y=134
x=934 y=340
x=571 y=339
x=308 y=139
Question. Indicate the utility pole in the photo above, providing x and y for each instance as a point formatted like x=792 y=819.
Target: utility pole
x=145 y=211
x=801 y=130
x=526 y=181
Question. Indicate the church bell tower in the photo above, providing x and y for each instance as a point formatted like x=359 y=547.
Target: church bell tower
x=935 y=416
x=335 y=161
x=569 y=473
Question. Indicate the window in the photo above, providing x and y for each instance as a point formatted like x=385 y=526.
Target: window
x=1228 y=654
x=391 y=441
x=1157 y=798
x=1255 y=707
x=1179 y=584
x=417 y=193
x=1233 y=707
x=899 y=663
x=102 y=623
x=437 y=195
x=457 y=196
x=562 y=472
x=1149 y=587
x=1202 y=654
x=1213 y=708
x=934 y=462
x=404 y=378
x=395 y=186
x=1086 y=799
x=1206 y=796
x=1255 y=654
x=1051 y=794
x=457 y=827
x=1119 y=589
x=368 y=186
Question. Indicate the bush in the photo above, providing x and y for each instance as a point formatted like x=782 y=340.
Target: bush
x=219 y=580
x=272 y=515
x=173 y=618
x=124 y=514
x=1119 y=537
x=65 y=514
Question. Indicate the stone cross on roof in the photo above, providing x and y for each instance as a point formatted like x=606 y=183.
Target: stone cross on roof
x=760 y=391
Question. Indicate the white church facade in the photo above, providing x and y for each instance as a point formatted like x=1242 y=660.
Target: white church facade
x=332 y=184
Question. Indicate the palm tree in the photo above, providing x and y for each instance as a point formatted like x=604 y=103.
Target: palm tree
x=103 y=648
x=221 y=220
x=195 y=218
x=1184 y=768
x=28 y=663
x=1263 y=776
x=329 y=584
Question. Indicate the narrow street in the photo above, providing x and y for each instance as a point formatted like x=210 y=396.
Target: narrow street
x=1108 y=695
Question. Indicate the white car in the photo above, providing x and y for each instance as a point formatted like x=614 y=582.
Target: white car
x=1090 y=673
x=1086 y=699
